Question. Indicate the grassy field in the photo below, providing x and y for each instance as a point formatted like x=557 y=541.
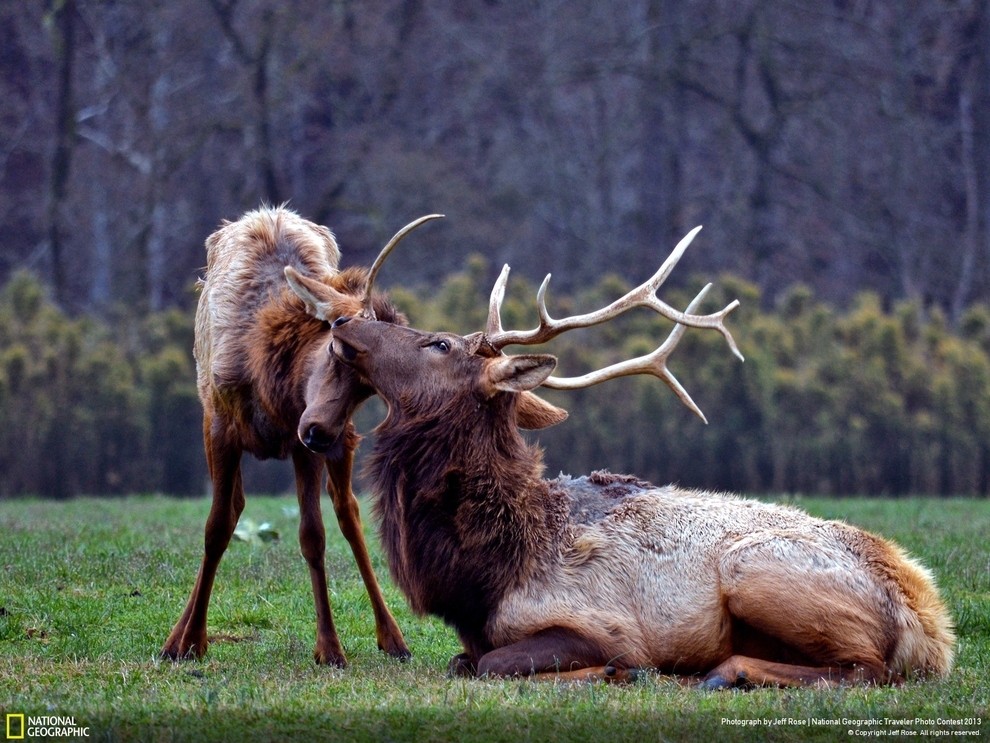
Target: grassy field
x=90 y=588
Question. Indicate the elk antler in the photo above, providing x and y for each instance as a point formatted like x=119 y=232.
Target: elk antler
x=654 y=363
x=368 y=312
x=642 y=296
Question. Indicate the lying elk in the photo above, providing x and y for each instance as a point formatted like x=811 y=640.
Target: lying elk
x=598 y=575
x=262 y=359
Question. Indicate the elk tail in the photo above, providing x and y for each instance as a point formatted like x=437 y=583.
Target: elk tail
x=926 y=642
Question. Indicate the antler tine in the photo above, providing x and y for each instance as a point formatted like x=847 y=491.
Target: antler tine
x=643 y=295
x=493 y=328
x=668 y=265
x=494 y=324
x=654 y=363
x=377 y=265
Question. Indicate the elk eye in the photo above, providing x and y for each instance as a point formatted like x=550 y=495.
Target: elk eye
x=442 y=346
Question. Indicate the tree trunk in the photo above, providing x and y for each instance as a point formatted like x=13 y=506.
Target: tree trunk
x=971 y=228
x=63 y=24
x=660 y=186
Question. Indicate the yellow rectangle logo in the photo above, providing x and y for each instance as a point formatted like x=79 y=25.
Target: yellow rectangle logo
x=15 y=727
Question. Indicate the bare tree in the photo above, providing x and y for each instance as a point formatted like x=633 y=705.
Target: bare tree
x=256 y=57
x=63 y=31
x=836 y=144
x=974 y=152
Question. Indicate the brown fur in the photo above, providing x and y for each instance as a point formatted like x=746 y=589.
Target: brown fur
x=464 y=550
x=608 y=571
x=261 y=361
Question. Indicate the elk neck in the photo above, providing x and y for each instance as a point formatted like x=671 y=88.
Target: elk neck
x=287 y=336
x=463 y=511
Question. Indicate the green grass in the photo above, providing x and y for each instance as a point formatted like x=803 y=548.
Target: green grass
x=89 y=589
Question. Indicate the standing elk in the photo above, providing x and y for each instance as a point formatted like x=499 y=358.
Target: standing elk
x=594 y=576
x=264 y=373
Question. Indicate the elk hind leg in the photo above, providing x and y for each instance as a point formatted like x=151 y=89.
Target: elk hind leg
x=345 y=505
x=800 y=617
x=741 y=670
x=188 y=636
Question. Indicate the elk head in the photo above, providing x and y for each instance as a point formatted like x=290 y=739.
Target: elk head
x=421 y=374
x=334 y=390
x=419 y=370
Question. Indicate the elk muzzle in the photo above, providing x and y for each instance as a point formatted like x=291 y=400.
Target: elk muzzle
x=333 y=392
x=317 y=438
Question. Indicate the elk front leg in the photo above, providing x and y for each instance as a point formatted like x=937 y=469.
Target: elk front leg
x=188 y=636
x=312 y=543
x=345 y=506
x=555 y=652
x=464 y=665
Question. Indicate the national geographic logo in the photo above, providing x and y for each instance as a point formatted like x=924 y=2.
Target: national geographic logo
x=15 y=727
x=21 y=727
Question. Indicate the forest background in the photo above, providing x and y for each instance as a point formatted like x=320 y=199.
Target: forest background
x=838 y=154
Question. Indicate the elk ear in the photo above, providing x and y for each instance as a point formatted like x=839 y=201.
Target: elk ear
x=322 y=301
x=517 y=373
x=533 y=413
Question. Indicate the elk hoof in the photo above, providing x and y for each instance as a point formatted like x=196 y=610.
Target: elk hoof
x=623 y=675
x=400 y=652
x=715 y=683
x=338 y=661
x=177 y=657
x=718 y=682
x=334 y=658
x=462 y=665
x=175 y=651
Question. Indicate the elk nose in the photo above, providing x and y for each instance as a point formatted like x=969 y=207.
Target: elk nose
x=317 y=439
x=340 y=321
